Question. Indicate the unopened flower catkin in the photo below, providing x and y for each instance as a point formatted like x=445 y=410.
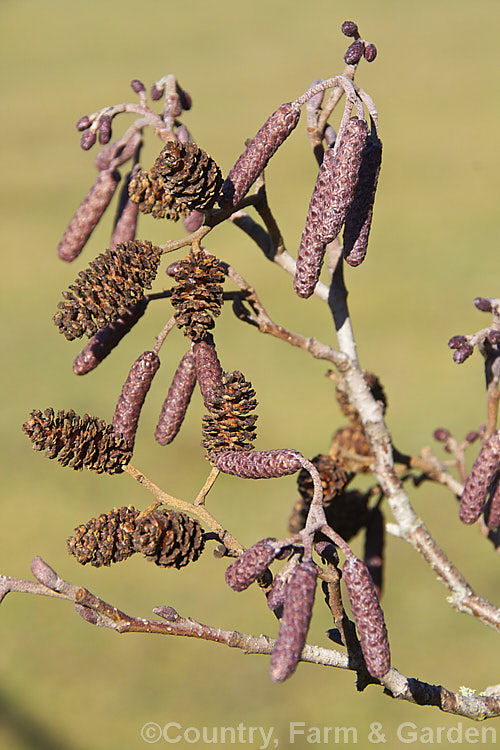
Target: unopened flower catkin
x=480 y=480
x=368 y=616
x=134 y=391
x=258 y=152
x=294 y=625
x=88 y=214
x=177 y=401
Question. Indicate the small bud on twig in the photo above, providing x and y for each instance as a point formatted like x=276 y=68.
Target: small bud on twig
x=350 y=28
x=354 y=52
x=83 y=123
x=370 y=52
x=88 y=139
x=44 y=573
x=483 y=304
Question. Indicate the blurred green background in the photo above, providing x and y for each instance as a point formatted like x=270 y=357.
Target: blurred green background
x=64 y=684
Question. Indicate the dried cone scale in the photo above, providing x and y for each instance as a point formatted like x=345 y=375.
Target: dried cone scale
x=332 y=196
x=88 y=214
x=183 y=178
x=78 y=442
x=106 y=539
x=168 y=538
x=197 y=296
x=103 y=292
x=258 y=152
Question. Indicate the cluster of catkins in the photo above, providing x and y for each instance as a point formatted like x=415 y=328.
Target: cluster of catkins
x=111 y=295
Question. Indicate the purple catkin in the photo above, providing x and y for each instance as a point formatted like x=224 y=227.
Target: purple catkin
x=493 y=514
x=104 y=341
x=374 y=548
x=358 y=220
x=277 y=594
x=134 y=391
x=332 y=196
x=480 y=480
x=368 y=616
x=251 y=564
x=177 y=401
x=87 y=215
x=208 y=369
x=257 y=153
x=297 y=611
x=258 y=464
x=125 y=224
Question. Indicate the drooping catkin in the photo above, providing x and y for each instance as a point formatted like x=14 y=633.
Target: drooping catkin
x=87 y=215
x=492 y=515
x=125 y=225
x=104 y=341
x=132 y=397
x=78 y=442
x=358 y=220
x=258 y=152
x=104 y=291
x=258 y=464
x=294 y=625
x=208 y=369
x=373 y=553
x=177 y=401
x=251 y=564
x=368 y=616
x=480 y=480
x=330 y=201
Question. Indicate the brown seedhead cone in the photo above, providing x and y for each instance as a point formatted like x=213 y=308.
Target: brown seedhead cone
x=252 y=564
x=353 y=446
x=258 y=464
x=77 y=442
x=197 y=297
x=257 y=153
x=177 y=401
x=359 y=216
x=480 y=480
x=88 y=214
x=332 y=196
x=344 y=510
x=133 y=395
x=106 y=539
x=104 y=292
x=368 y=617
x=168 y=538
x=230 y=426
x=183 y=178
x=105 y=340
x=377 y=391
x=297 y=612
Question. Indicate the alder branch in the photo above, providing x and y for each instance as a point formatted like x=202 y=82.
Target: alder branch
x=98 y=612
